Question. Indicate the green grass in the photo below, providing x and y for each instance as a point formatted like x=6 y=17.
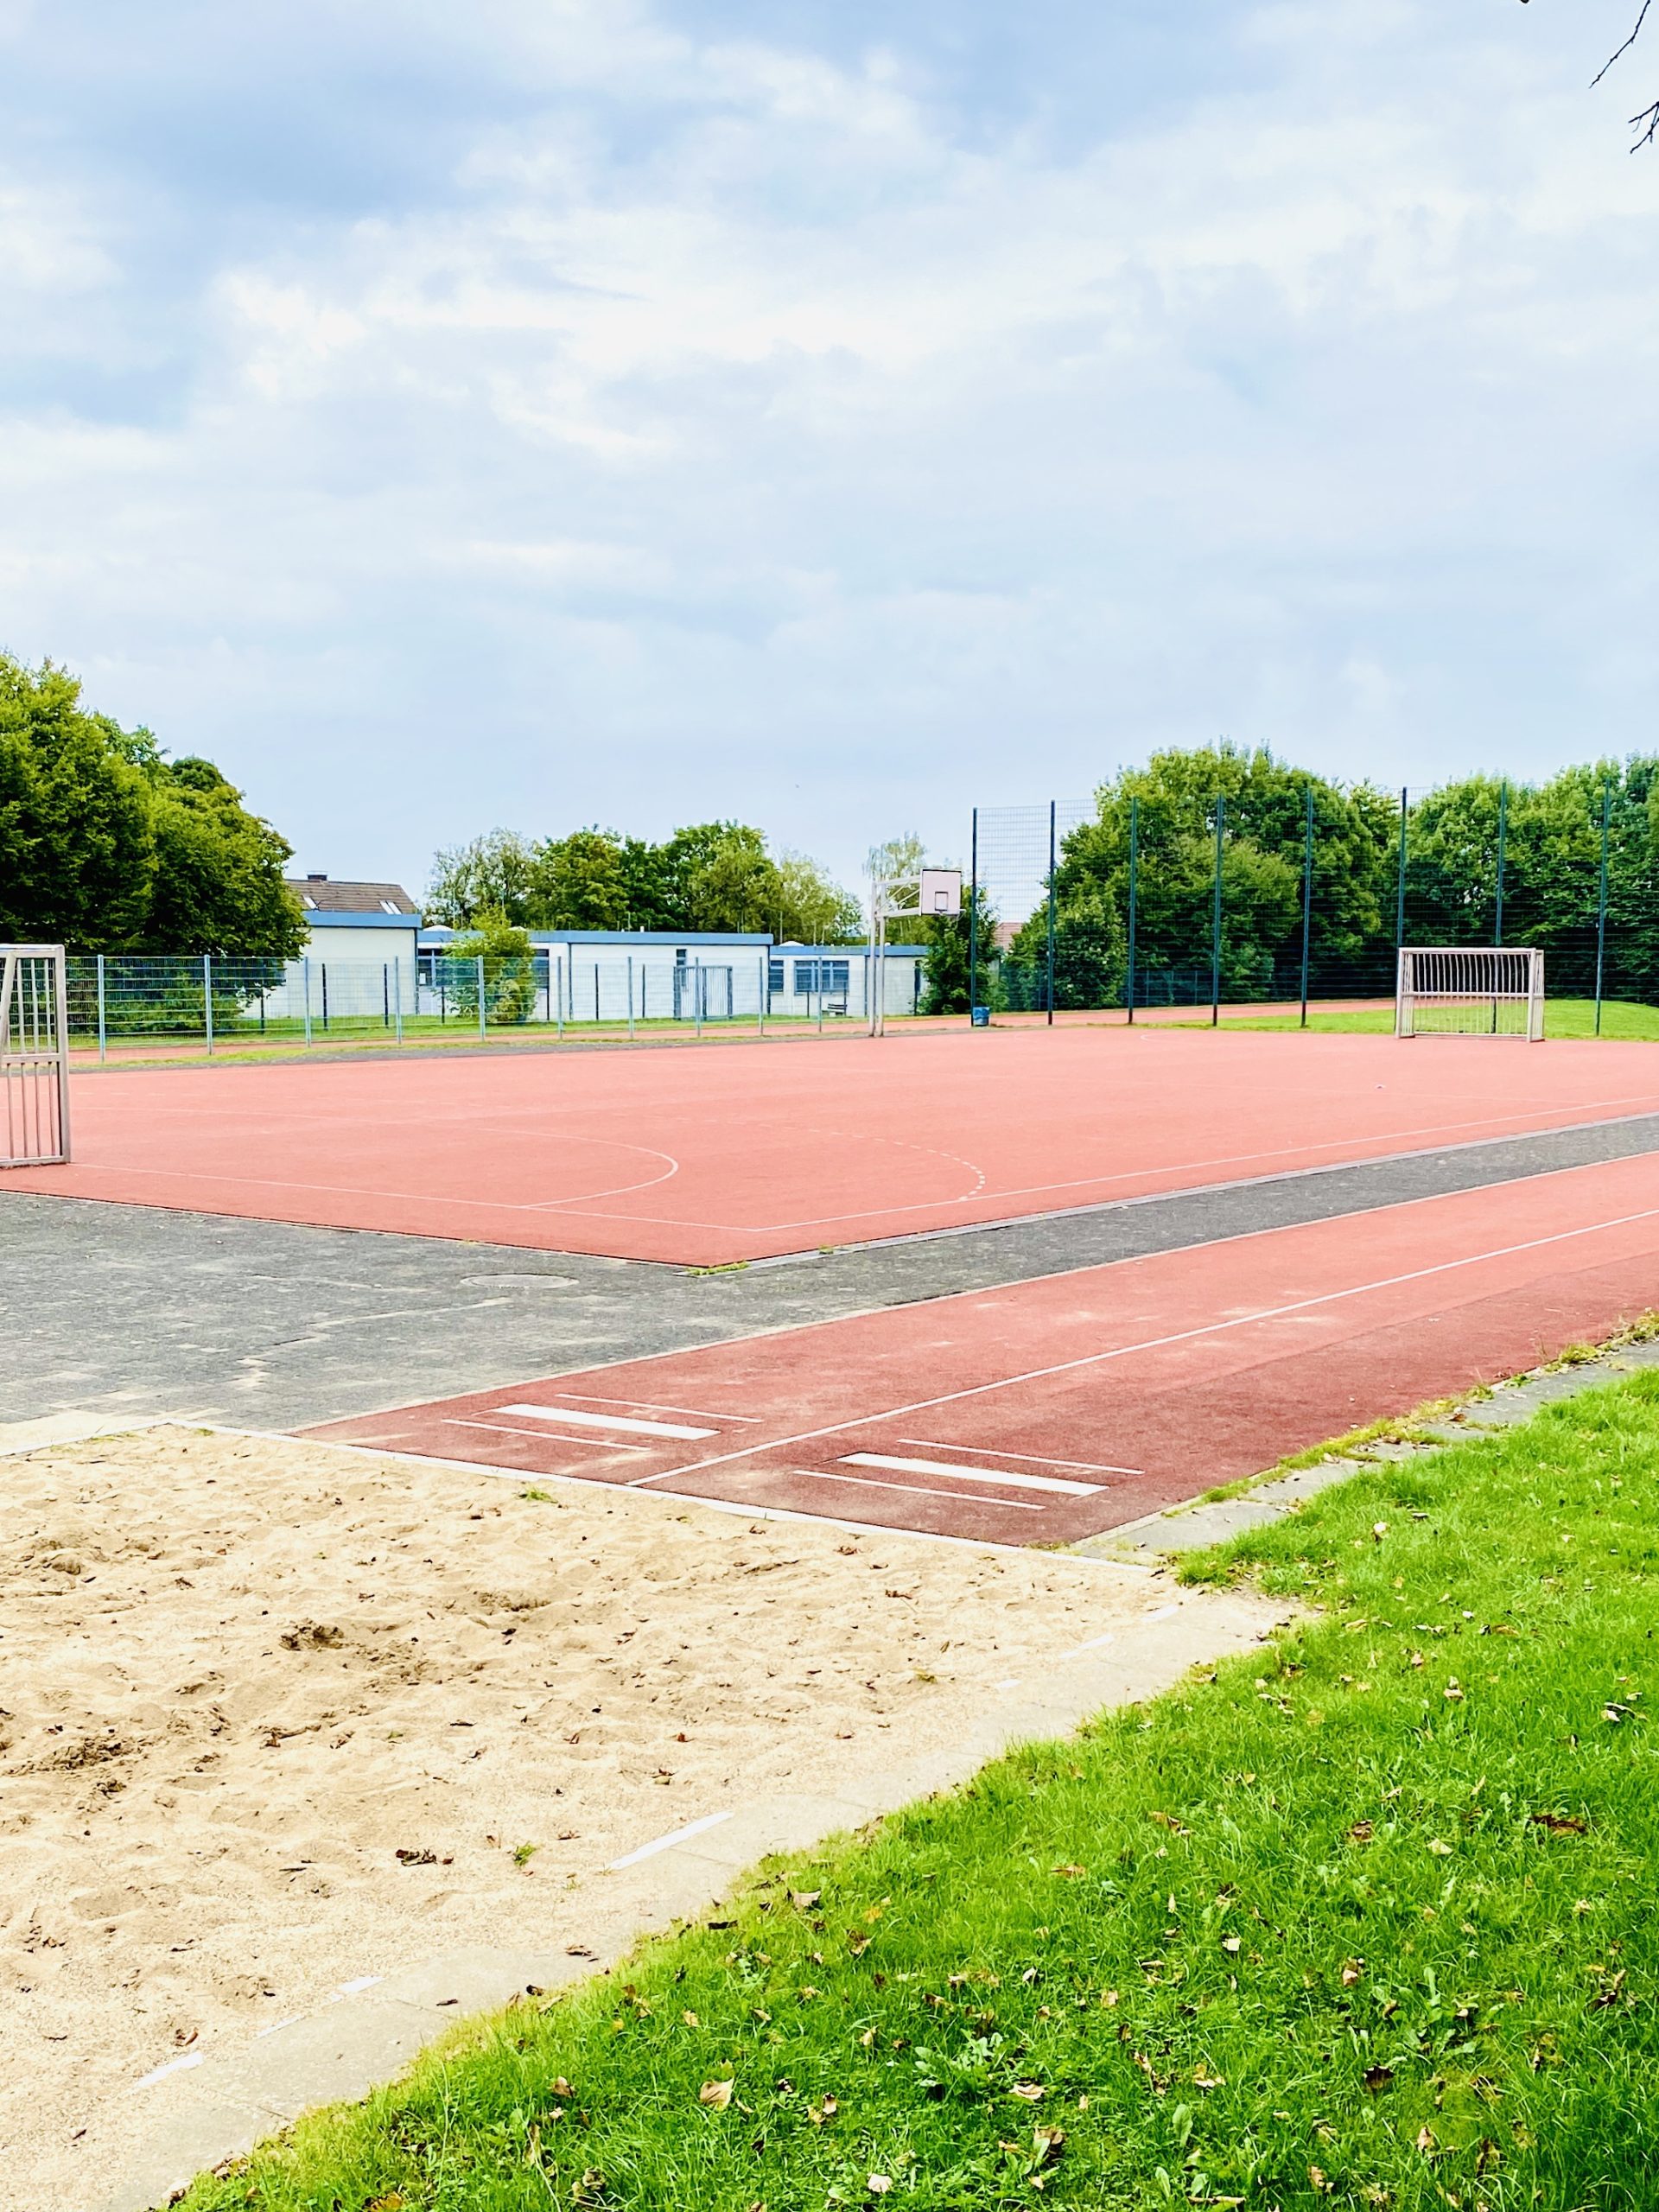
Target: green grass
x=1620 y=1018
x=1364 y=1919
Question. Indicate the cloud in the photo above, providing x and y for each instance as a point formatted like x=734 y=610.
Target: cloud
x=672 y=420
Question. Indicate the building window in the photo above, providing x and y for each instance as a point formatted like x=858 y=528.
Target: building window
x=775 y=978
x=828 y=976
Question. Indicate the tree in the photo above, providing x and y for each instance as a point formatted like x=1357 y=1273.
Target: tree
x=949 y=940
x=811 y=908
x=495 y=873
x=77 y=817
x=581 y=882
x=502 y=952
x=218 y=885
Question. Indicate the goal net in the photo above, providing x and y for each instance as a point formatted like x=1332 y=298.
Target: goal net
x=33 y=1056
x=1470 y=991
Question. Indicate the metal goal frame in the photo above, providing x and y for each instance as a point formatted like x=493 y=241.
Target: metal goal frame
x=33 y=1056
x=1470 y=990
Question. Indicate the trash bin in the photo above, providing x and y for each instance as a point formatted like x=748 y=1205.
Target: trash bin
x=980 y=1016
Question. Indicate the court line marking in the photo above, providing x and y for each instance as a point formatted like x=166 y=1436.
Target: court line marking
x=1050 y=1482
x=545 y=1436
x=909 y=1490
x=627 y=1423
x=1037 y=1458
x=695 y=1413
x=1175 y=1337
x=1510 y=1127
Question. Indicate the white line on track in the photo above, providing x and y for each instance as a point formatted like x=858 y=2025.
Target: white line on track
x=627 y=1423
x=1036 y=1459
x=1174 y=1336
x=548 y=1436
x=655 y=1406
x=909 y=1490
x=1003 y=1475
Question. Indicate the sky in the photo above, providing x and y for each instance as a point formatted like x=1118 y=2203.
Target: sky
x=832 y=415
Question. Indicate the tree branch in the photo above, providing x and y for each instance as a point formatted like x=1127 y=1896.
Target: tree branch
x=1622 y=51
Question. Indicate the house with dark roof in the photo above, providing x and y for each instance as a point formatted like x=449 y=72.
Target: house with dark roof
x=358 y=921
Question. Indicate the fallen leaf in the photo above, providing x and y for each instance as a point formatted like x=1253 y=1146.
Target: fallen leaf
x=1070 y=1870
x=1203 y=2081
x=804 y=1900
x=1032 y=2092
x=716 y=2093
x=1378 y=2078
x=1232 y=1945
x=1352 y=1970
x=1439 y=1849
x=416 y=1858
x=1361 y=1832
x=1048 y=2143
x=1560 y=1823
x=690 y=2019
x=878 y=2184
x=1318 y=2182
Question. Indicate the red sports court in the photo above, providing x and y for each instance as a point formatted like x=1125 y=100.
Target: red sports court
x=745 y=1152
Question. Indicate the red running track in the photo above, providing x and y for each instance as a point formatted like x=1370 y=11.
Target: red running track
x=732 y=1154
x=1049 y=1410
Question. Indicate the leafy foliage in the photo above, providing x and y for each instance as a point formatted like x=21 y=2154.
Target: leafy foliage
x=709 y=875
x=105 y=846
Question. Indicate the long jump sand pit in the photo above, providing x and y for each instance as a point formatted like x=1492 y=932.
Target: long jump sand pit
x=280 y=1716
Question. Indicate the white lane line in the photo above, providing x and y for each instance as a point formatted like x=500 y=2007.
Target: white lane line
x=667 y=1842
x=1246 y=1320
x=608 y=1421
x=1035 y=1459
x=909 y=1490
x=550 y=1436
x=1050 y=1483
x=653 y=1405
x=172 y=2066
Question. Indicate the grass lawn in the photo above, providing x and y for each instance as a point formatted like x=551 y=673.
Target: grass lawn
x=1367 y=1920
x=1562 y=1018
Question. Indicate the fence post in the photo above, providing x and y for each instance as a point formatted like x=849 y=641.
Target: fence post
x=397 y=998
x=385 y=995
x=559 y=1001
x=208 y=1001
x=630 y=998
x=1601 y=906
x=1307 y=899
x=1054 y=808
x=1215 y=923
x=764 y=994
x=482 y=1017
x=1134 y=868
x=305 y=979
x=697 y=993
x=1400 y=899
x=103 y=1042
x=1502 y=839
x=973 y=917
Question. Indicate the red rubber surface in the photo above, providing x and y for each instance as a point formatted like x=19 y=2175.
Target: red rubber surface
x=1138 y=1384
x=705 y=1157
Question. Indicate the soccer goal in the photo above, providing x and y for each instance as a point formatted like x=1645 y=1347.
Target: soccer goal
x=33 y=1056
x=1470 y=991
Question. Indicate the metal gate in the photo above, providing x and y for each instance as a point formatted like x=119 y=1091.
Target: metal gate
x=33 y=1056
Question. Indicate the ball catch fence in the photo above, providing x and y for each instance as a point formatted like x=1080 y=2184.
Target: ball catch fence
x=1302 y=896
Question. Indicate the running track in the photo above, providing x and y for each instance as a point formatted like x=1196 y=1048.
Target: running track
x=732 y=1154
x=1049 y=1410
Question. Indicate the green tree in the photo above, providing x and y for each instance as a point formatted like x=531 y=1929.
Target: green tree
x=581 y=882
x=945 y=981
x=218 y=885
x=76 y=816
x=812 y=909
x=508 y=966
x=495 y=873
x=722 y=877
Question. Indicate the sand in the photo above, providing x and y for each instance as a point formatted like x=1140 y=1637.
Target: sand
x=239 y=1676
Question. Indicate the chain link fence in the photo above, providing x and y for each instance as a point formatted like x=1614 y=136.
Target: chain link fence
x=136 y=1005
